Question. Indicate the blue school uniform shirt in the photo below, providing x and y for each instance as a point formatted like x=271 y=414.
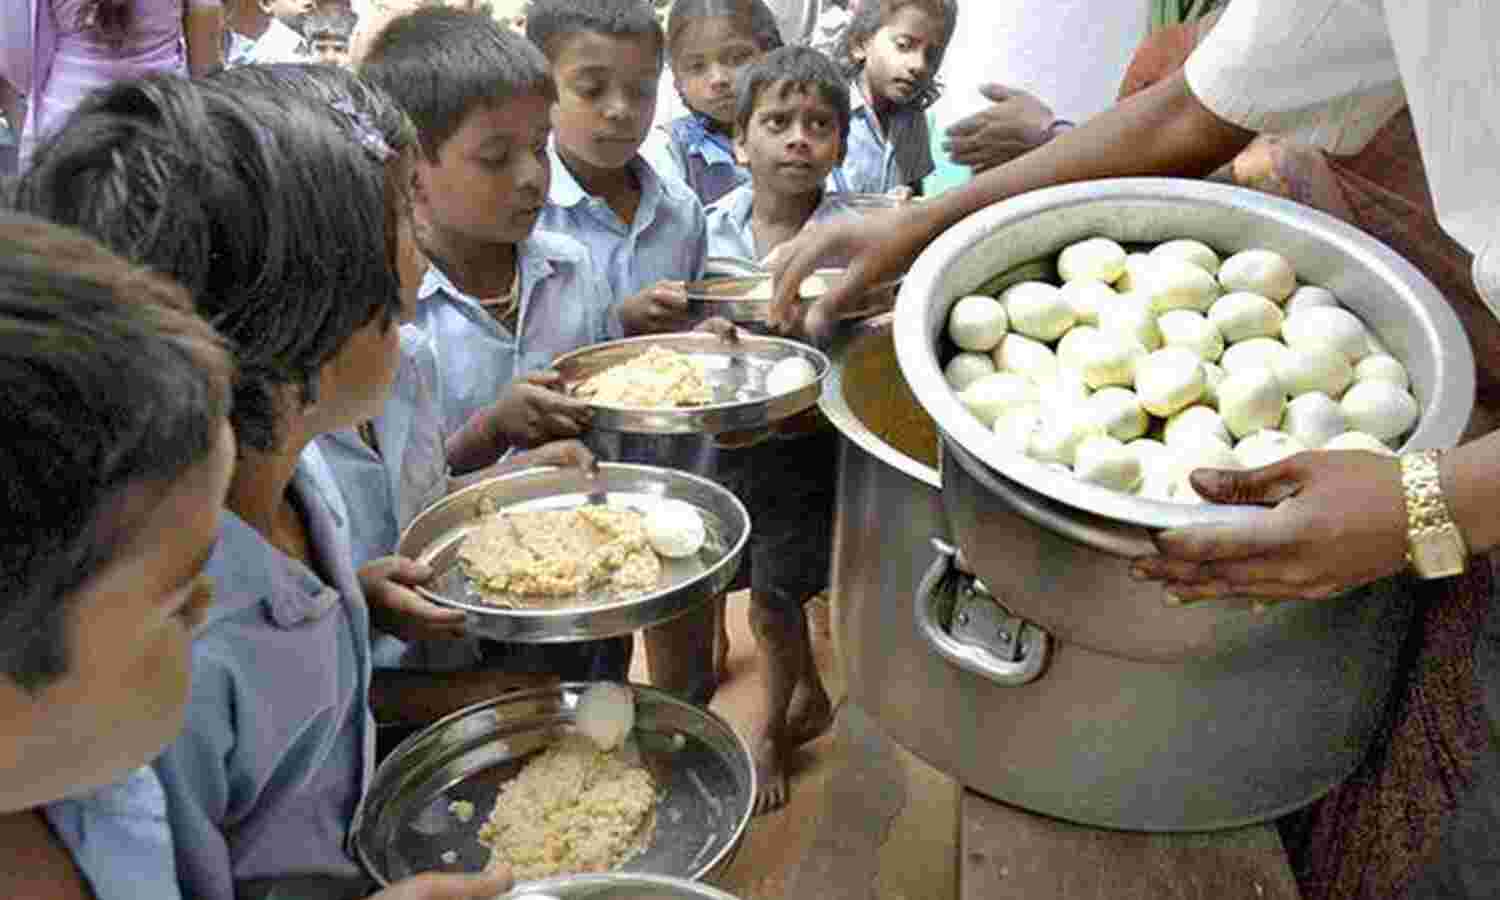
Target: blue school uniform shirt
x=666 y=241
x=730 y=235
x=119 y=838
x=877 y=162
x=689 y=150
x=565 y=302
x=278 y=745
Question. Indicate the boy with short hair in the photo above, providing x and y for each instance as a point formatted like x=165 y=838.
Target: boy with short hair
x=791 y=129
x=499 y=299
x=646 y=231
x=328 y=36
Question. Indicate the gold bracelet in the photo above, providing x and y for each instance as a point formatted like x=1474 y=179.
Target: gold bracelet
x=1434 y=546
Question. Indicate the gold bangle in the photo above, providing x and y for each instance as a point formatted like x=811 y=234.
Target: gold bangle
x=1435 y=547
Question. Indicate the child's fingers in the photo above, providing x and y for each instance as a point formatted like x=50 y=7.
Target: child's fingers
x=434 y=886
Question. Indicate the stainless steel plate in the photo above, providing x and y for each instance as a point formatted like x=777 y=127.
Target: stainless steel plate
x=436 y=534
x=704 y=775
x=617 y=886
x=736 y=372
x=746 y=298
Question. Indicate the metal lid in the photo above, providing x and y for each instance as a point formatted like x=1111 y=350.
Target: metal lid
x=617 y=887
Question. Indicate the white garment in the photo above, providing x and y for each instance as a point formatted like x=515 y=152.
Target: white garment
x=1333 y=71
x=279 y=44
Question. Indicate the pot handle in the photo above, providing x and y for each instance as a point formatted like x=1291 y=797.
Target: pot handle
x=1007 y=649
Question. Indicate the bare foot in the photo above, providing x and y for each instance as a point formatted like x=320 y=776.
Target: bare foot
x=811 y=713
x=770 y=776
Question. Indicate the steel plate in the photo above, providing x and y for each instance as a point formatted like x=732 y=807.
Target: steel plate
x=704 y=774
x=436 y=534
x=736 y=372
x=746 y=298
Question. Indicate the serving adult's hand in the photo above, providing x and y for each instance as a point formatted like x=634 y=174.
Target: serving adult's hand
x=661 y=307
x=1337 y=520
x=1017 y=122
x=432 y=886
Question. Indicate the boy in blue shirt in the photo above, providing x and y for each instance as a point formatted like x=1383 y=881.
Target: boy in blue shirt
x=645 y=230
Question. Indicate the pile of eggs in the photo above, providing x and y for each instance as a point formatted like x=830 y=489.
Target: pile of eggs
x=1142 y=367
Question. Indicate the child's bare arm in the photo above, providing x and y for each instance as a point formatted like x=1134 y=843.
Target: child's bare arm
x=38 y=866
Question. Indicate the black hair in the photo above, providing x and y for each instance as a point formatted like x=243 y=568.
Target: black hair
x=274 y=208
x=109 y=384
x=751 y=16
x=794 y=68
x=441 y=64
x=868 y=19
x=547 y=21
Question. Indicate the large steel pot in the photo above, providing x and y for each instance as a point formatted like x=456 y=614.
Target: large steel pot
x=1057 y=548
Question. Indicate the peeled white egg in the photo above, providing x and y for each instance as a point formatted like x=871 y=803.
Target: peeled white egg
x=1251 y=400
x=605 y=714
x=1266 y=447
x=1307 y=296
x=1168 y=380
x=1104 y=461
x=1240 y=316
x=1309 y=368
x=990 y=396
x=966 y=368
x=1373 y=346
x=977 y=323
x=1102 y=358
x=1260 y=272
x=1087 y=296
x=1061 y=432
x=1327 y=325
x=1193 y=424
x=1358 y=440
x=1382 y=367
x=1379 y=408
x=1195 y=252
x=675 y=529
x=1015 y=427
x=1136 y=265
x=1314 y=419
x=1256 y=353
x=1131 y=315
x=1213 y=373
x=1025 y=356
x=1038 y=310
x=1066 y=388
x=1173 y=283
x=1118 y=411
x=1192 y=331
x=1099 y=258
x=790 y=374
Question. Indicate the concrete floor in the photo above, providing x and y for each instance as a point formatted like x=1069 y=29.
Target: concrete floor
x=866 y=820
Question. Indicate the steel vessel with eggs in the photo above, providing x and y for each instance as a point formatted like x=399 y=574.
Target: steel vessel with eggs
x=696 y=531
x=738 y=375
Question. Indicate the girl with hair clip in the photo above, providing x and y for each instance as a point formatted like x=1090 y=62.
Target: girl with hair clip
x=279 y=210
x=709 y=42
x=891 y=53
x=55 y=52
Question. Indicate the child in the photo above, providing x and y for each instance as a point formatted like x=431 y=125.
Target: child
x=892 y=51
x=328 y=36
x=281 y=41
x=644 y=229
x=791 y=124
x=710 y=43
x=278 y=213
x=500 y=299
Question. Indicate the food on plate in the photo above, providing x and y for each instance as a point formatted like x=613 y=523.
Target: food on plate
x=790 y=374
x=1263 y=272
x=516 y=558
x=1133 y=368
x=606 y=714
x=1100 y=259
x=675 y=529
x=572 y=809
x=659 y=378
x=462 y=810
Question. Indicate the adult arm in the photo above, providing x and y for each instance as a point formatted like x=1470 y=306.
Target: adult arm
x=1163 y=130
x=203 y=33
